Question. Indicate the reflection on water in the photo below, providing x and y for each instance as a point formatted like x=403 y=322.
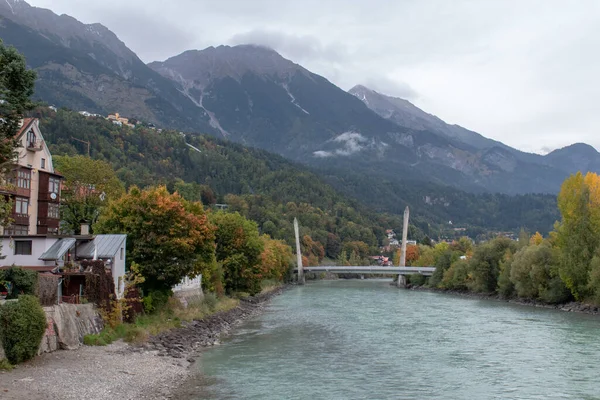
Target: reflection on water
x=368 y=340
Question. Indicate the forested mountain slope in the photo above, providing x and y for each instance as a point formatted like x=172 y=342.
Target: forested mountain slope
x=269 y=183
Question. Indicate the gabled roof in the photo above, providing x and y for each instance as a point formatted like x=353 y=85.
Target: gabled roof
x=105 y=246
x=27 y=122
x=58 y=249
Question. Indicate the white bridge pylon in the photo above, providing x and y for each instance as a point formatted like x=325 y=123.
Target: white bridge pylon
x=402 y=270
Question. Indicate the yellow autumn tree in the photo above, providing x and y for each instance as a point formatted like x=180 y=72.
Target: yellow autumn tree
x=536 y=239
x=578 y=233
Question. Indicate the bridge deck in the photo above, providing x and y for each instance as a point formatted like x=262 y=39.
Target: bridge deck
x=427 y=271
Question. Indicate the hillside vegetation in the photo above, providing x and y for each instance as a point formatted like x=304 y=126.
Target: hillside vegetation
x=272 y=190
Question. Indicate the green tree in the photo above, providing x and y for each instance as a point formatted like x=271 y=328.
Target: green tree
x=578 y=234
x=168 y=237
x=89 y=186
x=485 y=264
x=238 y=250
x=333 y=246
x=16 y=88
x=530 y=270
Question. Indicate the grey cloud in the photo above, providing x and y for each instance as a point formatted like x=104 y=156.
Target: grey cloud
x=296 y=47
x=352 y=143
x=390 y=87
x=523 y=72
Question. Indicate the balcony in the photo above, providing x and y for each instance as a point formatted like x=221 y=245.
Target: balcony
x=35 y=145
x=20 y=219
x=50 y=197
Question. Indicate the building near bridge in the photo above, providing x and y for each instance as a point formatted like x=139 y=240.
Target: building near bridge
x=33 y=240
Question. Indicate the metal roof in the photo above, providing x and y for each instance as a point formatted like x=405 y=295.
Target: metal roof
x=107 y=246
x=58 y=249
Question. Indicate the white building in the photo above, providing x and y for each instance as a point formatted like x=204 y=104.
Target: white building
x=50 y=253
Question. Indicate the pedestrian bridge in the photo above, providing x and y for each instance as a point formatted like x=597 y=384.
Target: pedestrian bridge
x=427 y=271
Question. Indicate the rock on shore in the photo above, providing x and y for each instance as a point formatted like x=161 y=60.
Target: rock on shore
x=184 y=341
x=569 y=307
x=119 y=371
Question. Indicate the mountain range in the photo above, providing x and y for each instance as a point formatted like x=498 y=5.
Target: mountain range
x=252 y=95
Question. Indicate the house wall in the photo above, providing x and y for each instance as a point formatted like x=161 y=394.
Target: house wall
x=118 y=269
x=33 y=159
x=38 y=246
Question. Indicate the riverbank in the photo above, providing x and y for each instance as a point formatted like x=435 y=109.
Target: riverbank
x=572 y=306
x=152 y=371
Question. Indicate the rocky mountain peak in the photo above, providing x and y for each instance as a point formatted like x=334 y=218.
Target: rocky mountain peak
x=203 y=66
x=64 y=29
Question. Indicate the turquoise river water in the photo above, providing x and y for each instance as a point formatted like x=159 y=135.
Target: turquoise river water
x=365 y=339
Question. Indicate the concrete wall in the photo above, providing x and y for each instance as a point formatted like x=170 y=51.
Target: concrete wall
x=189 y=290
x=67 y=325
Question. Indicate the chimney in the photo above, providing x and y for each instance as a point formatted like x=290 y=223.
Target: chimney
x=85 y=229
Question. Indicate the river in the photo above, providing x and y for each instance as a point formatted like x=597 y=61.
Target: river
x=364 y=339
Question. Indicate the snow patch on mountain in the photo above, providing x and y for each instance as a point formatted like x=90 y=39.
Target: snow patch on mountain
x=293 y=99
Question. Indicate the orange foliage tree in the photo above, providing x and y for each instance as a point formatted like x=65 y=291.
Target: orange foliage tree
x=168 y=237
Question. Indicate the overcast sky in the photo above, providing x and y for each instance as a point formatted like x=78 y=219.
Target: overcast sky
x=524 y=72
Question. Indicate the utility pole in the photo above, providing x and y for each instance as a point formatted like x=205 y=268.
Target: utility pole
x=83 y=141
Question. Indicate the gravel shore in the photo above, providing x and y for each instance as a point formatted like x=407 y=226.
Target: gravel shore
x=94 y=373
x=158 y=370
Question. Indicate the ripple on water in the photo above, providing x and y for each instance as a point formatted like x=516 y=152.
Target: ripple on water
x=368 y=340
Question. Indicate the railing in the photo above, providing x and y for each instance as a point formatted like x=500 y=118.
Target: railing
x=35 y=145
x=20 y=219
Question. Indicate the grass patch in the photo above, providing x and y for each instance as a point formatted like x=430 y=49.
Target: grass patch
x=169 y=317
x=268 y=285
x=5 y=365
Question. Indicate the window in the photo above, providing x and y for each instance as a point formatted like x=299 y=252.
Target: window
x=31 y=139
x=23 y=247
x=54 y=185
x=23 y=179
x=17 y=230
x=122 y=253
x=53 y=211
x=21 y=206
x=43 y=165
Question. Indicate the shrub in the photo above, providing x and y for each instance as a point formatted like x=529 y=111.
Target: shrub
x=210 y=299
x=156 y=300
x=5 y=365
x=133 y=303
x=136 y=334
x=22 y=281
x=106 y=337
x=99 y=284
x=22 y=325
x=417 y=279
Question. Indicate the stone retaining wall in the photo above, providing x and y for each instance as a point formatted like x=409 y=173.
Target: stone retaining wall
x=67 y=325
